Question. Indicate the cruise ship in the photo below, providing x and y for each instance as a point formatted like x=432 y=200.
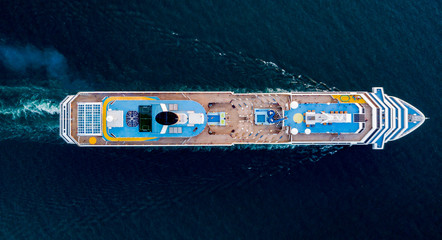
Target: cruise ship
x=227 y=118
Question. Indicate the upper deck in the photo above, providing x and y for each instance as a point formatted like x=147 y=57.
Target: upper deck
x=223 y=118
x=126 y=113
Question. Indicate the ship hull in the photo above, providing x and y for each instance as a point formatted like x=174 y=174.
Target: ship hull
x=142 y=119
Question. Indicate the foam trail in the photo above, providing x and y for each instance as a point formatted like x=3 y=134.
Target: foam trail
x=21 y=59
x=28 y=113
x=29 y=107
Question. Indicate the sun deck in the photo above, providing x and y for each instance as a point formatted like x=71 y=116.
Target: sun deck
x=131 y=104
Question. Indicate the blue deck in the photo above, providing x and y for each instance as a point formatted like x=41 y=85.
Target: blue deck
x=351 y=108
x=133 y=132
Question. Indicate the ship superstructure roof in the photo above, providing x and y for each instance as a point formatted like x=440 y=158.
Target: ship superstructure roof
x=227 y=118
x=124 y=132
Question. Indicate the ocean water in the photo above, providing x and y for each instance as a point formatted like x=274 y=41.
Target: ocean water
x=52 y=190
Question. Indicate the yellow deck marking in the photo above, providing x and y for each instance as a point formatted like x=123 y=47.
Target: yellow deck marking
x=121 y=139
x=92 y=140
x=349 y=98
x=298 y=118
x=344 y=98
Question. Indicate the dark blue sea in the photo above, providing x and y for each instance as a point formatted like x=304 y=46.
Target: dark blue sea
x=52 y=190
